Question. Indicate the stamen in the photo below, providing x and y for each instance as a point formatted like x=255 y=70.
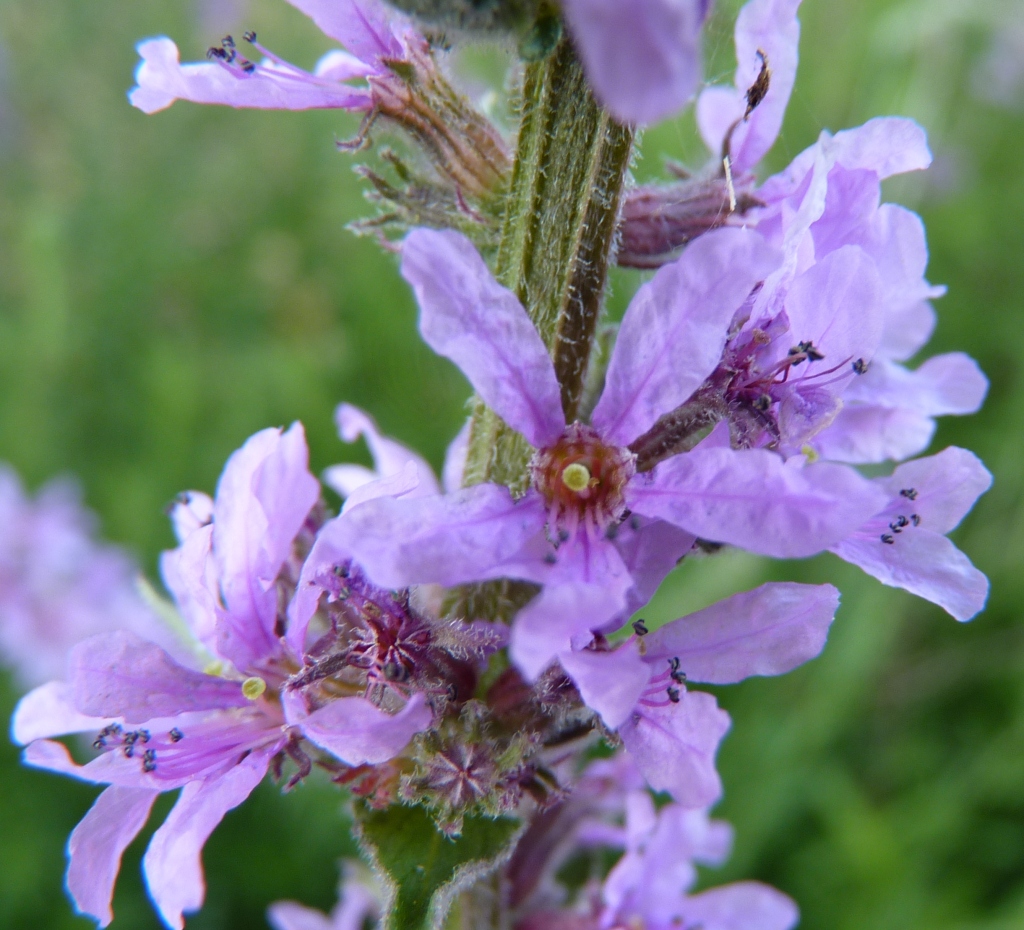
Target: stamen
x=576 y=477
x=253 y=688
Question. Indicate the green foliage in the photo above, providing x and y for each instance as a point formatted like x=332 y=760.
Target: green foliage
x=424 y=869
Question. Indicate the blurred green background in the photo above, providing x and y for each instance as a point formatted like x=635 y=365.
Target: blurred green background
x=171 y=284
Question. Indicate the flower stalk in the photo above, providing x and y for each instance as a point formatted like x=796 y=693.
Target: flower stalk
x=557 y=240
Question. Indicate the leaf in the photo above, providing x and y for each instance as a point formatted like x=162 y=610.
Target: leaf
x=424 y=869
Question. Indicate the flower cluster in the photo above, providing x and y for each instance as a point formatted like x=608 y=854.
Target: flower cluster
x=758 y=367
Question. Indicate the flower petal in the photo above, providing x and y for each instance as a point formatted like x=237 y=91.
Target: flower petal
x=752 y=499
x=287 y=915
x=473 y=535
x=767 y=631
x=673 y=333
x=389 y=457
x=362 y=26
x=50 y=710
x=97 y=844
x=742 y=906
x=355 y=730
x=674 y=747
x=609 y=682
x=770 y=27
x=642 y=58
x=161 y=79
x=923 y=563
x=173 y=864
x=466 y=316
x=122 y=675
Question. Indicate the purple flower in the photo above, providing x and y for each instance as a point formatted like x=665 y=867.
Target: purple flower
x=649 y=885
x=359 y=902
x=639 y=688
x=731 y=120
x=371 y=36
x=161 y=725
x=58 y=583
x=822 y=207
x=405 y=472
x=585 y=519
x=905 y=545
x=642 y=58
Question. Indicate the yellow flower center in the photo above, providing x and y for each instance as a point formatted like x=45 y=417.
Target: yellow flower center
x=576 y=477
x=253 y=688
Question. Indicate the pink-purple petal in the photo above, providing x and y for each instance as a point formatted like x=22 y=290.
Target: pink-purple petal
x=753 y=499
x=767 y=631
x=96 y=845
x=364 y=27
x=642 y=58
x=288 y=915
x=389 y=456
x=356 y=731
x=772 y=28
x=466 y=316
x=50 y=710
x=173 y=862
x=559 y=617
x=472 y=535
x=673 y=333
x=161 y=79
x=923 y=563
x=674 y=746
x=609 y=682
x=122 y=675
x=742 y=906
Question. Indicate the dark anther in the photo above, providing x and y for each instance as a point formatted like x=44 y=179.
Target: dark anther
x=612 y=531
x=807 y=350
x=678 y=676
x=897 y=525
x=248 y=67
x=550 y=558
x=763 y=403
x=215 y=51
x=759 y=89
x=249 y=36
x=563 y=535
x=860 y=366
x=634 y=523
x=176 y=735
x=887 y=539
x=395 y=671
x=99 y=743
x=143 y=736
x=909 y=493
x=673 y=694
x=149 y=760
x=915 y=519
x=228 y=41
x=640 y=628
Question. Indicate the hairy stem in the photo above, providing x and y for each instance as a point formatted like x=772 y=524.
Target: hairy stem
x=557 y=240
x=557 y=243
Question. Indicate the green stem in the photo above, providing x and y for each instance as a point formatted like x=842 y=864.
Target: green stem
x=557 y=241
